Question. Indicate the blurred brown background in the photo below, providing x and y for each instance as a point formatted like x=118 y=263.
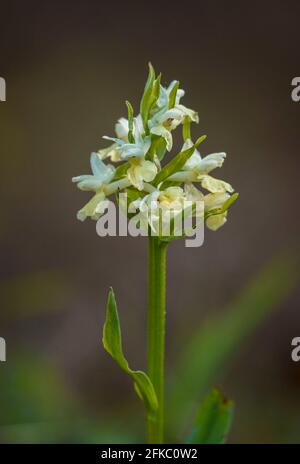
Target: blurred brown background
x=69 y=66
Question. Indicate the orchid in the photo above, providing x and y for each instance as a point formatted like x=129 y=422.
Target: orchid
x=128 y=150
x=121 y=130
x=159 y=193
x=140 y=169
x=215 y=210
x=168 y=115
x=196 y=169
x=100 y=183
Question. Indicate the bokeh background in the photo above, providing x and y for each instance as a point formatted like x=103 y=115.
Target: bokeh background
x=233 y=305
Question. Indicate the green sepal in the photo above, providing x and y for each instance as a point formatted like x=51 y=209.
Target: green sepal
x=112 y=342
x=173 y=93
x=150 y=95
x=130 y=122
x=213 y=421
x=186 y=129
x=230 y=201
x=224 y=207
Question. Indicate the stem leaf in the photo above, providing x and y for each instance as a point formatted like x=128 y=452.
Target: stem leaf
x=112 y=342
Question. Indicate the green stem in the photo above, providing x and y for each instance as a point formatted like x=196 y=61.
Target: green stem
x=156 y=332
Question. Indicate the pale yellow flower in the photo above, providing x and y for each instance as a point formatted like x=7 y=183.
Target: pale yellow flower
x=214 y=185
x=141 y=170
x=213 y=201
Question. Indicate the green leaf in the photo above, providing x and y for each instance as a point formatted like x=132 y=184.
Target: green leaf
x=150 y=95
x=177 y=162
x=170 y=183
x=130 y=122
x=121 y=170
x=158 y=147
x=173 y=93
x=133 y=194
x=213 y=420
x=211 y=348
x=161 y=148
x=112 y=342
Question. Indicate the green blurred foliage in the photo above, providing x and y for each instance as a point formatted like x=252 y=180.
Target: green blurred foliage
x=37 y=407
x=32 y=390
x=212 y=347
x=213 y=420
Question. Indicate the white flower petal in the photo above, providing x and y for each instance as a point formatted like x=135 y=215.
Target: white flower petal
x=192 y=193
x=215 y=200
x=110 y=152
x=90 y=209
x=121 y=129
x=140 y=171
x=191 y=114
x=216 y=221
x=214 y=185
x=210 y=162
x=88 y=183
x=131 y=151
x=119 y=142
x=165 y=133
x=148 y=170
x=193 y=162
x=134 y=177
x=102 y=171
x=179 y=95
